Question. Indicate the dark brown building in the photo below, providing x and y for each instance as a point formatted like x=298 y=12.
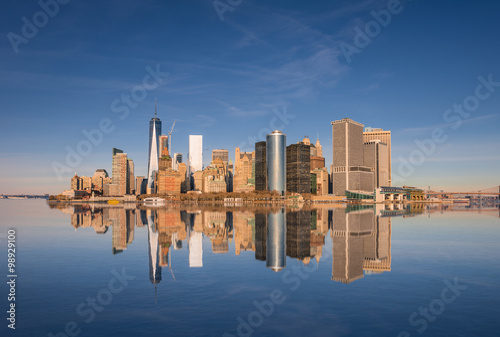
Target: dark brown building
x=260 y=166
x=298 y=168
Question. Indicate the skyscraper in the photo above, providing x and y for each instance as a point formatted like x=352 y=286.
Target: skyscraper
x=195 y=155
x=154 y=151
x=375 y=157
x=385 y=137
x=276 y=161
x=348 y=172
x=131 y=178
x=154 y=133
x=119 y=172
x=260 y=166
x=153 y=160
x=298 y=167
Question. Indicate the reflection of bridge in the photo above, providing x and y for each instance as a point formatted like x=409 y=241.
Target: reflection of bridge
x=489 y=191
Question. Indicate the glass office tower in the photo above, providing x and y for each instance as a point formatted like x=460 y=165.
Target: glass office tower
x=276 y=161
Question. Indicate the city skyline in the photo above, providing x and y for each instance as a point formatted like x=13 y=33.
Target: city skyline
x=262 y=67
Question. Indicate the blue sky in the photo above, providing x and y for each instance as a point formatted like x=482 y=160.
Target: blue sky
x=228 y=79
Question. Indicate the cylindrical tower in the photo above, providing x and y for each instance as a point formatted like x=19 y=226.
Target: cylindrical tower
x=276 y=241
x=276 y=161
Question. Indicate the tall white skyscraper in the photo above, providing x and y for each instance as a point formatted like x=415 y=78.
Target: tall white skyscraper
x=153 y=160
x=195 y=155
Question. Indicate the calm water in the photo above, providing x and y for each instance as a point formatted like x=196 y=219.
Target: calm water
x=117 y=271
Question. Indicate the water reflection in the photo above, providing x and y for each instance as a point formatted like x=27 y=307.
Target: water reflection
x=360 y=235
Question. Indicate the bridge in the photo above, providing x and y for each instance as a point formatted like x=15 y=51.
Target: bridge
x=493 y=191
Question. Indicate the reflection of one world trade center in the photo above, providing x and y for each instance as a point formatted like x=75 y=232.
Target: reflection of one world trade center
x=276 y=241
x=154 y=256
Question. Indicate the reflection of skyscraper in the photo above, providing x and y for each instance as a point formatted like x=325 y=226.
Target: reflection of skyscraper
x=276 y=241
x=349 y=232
x=276 y=161
x=195 y=243
x=298 y=235
x=260 y=236
x=154 y=256
x=378 y=251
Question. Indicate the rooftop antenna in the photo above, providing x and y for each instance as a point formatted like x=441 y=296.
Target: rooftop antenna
x=155 y=107
x=317 y=135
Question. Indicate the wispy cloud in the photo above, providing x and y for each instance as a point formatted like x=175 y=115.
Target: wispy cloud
x=428 y=128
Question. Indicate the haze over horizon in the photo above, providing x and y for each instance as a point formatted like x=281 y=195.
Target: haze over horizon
x=234 y=75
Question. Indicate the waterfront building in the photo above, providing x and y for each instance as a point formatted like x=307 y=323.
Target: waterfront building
x=298 y=167
x=244 y=171
x=197 y=181
x=169 y=182
x=98 y=179
x=154 y=139
x=375 y=157
x=76 y=182
x=86 y=183
x=195 y=155
x=276 y=161
x=131 y=178
x=349 y=173
x=371 y=134
x=321 y=175
x=260 y=166
x=119 y=172
x=154 y=131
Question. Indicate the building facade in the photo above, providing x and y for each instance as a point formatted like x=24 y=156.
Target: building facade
x=375 y=157
x=348 y=172
x=195 y=155
x=260 y=166
x=298 y=167
x=385 y=137
x=119 y=172
x=276 y=162
x=221 y=154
